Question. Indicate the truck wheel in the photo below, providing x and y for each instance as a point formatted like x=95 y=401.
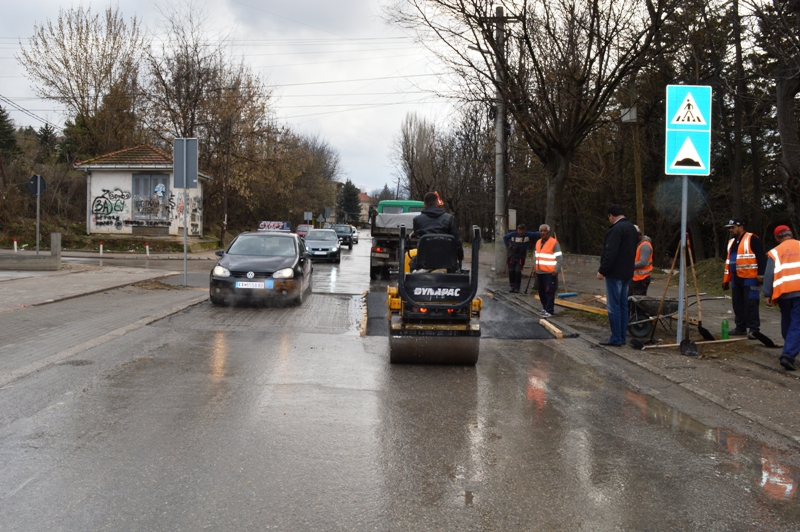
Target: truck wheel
x=374 y=272
x=384 y=272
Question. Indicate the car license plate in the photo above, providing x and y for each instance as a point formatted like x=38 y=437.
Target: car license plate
x=249 y=284
x=381 y=255
x=320 y=253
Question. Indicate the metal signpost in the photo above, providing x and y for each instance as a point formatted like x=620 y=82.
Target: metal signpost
x=688 y=152
x=36 y=185
x=184 y=155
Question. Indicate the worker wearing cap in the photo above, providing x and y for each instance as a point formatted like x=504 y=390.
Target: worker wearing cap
x=517 y=243
x=782 y=286
x=643 y=266
x=744 y=272
x=547 y=264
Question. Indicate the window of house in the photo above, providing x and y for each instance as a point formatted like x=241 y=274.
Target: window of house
x=151 y=197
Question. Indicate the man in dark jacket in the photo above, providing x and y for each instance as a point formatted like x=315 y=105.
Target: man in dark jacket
x=434 y=220
x=616 y=267
x=517 y=242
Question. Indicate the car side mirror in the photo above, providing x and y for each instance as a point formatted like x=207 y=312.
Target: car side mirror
x=219 y=253
x=306 y=255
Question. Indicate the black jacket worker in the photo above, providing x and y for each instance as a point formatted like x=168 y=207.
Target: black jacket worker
x=434 y=220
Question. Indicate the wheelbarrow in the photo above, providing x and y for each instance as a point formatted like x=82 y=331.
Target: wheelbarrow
x=642 y=311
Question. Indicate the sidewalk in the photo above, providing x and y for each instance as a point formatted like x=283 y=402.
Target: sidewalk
x=743 y=377
x=39 y=327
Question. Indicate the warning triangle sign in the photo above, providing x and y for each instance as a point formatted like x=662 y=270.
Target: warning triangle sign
x=689 y=113
x=687 y=157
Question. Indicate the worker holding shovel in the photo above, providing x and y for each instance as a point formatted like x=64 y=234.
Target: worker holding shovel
x=547 y=257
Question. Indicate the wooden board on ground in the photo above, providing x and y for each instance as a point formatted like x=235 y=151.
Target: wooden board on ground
x=579 y=306
x=555 y=331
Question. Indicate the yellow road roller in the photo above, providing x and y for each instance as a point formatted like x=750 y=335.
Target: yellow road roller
x=434 y=316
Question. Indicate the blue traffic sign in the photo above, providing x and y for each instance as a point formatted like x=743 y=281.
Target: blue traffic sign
x=688 y=135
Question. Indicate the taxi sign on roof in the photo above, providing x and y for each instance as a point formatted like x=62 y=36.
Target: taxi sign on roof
x=688 y=135
x=274 y=226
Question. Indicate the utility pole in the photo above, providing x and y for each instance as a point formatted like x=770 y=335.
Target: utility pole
x=500 y=226
x=500 y=148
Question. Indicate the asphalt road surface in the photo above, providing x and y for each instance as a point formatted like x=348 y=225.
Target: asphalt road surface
x=287 y=419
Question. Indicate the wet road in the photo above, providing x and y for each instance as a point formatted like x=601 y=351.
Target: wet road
x=286 y=419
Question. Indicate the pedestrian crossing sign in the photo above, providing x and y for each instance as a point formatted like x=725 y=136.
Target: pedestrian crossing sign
x=688 y=135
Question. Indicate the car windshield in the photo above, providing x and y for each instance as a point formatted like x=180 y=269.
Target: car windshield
x=342 y=229
x=303 y=227
x=262 y=246
x=325 y=236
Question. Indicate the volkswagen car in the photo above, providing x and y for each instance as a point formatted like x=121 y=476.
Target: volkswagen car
x=267 y=266
x=323 y=244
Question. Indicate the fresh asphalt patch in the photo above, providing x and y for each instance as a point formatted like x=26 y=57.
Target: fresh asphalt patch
x=498 y=320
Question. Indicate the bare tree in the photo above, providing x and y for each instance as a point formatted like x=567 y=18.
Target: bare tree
x=779 y=38
x=560 y=68
x=86 y=62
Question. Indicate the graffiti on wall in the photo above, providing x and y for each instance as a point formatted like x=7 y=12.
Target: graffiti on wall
x=154 y=207
x=194 y=212
x=110 y=202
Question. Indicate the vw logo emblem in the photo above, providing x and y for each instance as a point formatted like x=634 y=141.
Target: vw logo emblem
x=250 y=275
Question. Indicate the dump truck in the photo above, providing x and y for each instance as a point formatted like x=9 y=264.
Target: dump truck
x=434 y=311
x=385 y=226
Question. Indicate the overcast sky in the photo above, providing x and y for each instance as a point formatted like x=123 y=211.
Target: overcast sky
x=337 y=69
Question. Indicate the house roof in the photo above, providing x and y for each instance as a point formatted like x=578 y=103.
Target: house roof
x=363 y=197
x=139 y=157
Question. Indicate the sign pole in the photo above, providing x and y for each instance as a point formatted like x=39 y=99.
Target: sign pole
x=682 y=276
x=185 y=205
x=38 y=195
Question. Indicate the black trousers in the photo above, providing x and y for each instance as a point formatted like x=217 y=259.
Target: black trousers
x=639 y=288
x=548 y=285
x=515 y=267
x=745 y=307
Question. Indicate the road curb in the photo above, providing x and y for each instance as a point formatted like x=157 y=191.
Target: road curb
x=91 y=292
x=33 y=367
x=750 y=416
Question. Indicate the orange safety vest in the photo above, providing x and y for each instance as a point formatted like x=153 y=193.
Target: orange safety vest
x=746 y=263
x=545 y=255
x=787 y=268
x=644 y=272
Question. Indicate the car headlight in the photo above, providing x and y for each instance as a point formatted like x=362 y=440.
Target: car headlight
x=286 y=273
x=219 y=271
x=335 y=247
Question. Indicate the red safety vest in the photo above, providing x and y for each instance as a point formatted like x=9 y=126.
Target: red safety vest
x=644 y=272
x=787 y=268
x=545 y=255
x=746 y=263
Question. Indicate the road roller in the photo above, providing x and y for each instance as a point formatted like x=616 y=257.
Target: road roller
x=434 y=314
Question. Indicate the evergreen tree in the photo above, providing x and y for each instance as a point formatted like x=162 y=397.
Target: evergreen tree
x=8 y=143
x=349 y=207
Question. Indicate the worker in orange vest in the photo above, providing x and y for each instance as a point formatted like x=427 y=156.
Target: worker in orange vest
x=547 y=264
x=782 y=285
x=643 y=265
x=744 y=272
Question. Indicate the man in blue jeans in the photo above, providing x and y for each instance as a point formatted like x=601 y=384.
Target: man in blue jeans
x=616 y=267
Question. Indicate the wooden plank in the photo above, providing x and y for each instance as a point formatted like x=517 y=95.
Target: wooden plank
x=578 y=306
x=555 y=331
x=657 y=346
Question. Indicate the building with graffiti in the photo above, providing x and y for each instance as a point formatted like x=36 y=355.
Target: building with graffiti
x=132 y=192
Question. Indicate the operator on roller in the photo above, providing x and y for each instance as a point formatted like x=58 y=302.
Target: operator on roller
x=434 y=220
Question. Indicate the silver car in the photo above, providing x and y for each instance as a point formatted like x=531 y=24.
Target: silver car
x=323 y=244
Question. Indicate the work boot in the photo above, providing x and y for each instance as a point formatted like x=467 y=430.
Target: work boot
x=787 y=363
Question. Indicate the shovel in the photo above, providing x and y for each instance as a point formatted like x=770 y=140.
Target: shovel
x=705 y=333
x=688 y=347
x=764 y=339
x=638 y=344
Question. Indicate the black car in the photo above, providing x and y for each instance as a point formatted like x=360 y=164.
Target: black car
x=345 y=234
x=264 y=266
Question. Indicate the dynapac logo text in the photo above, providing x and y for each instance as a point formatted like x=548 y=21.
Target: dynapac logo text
x=437 y=292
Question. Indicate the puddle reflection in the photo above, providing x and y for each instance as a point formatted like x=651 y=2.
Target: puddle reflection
x=777 y=480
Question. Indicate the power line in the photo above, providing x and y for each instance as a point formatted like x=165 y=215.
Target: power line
x=29 y=113
x=354 y=80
